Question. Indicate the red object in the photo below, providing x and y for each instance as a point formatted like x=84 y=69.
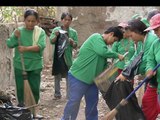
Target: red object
x=150 y=105
x=119 y=71
x=154 y=22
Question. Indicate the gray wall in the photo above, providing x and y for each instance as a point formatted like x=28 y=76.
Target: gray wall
x=86 y=21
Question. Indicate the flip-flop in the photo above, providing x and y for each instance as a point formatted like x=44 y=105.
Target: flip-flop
x=39 y=117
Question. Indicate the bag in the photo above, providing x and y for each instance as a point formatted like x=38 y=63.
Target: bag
x=116 y=92
x=62 y=42
x=131 y=70
x=8 y=112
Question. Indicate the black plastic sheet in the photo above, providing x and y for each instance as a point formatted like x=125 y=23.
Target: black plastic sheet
x=8 y=112
x=62 y=42
x=116 y=92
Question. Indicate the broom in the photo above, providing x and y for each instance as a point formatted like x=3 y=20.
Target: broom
x=123 y=102
x=29 y=99
x=104 y=80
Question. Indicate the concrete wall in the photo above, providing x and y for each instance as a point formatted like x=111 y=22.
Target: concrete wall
x=86 y=20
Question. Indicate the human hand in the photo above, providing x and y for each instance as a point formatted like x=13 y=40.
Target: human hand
x=71 y=41
x=22 y=48
x=120 y=77
x=150 y=73
x=17 y=33
x=121 y=57
x=56 y=33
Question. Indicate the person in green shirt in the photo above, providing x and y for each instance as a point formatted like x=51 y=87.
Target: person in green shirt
x=90 y=62
x=123 y=46
x=62 y=64
x=137 y=28
x=152 y=61
x=32 y=43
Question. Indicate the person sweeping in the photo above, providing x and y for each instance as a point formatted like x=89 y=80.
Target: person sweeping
x=28 y=40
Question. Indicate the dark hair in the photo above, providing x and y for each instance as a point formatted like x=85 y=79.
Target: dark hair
x=29 y=12
x=64 y=14
x=117 y=32
x=152 y=13
x=137 y=26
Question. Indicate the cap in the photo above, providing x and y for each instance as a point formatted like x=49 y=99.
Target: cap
x=145 y=21
x=135 y=16
x=154 y=22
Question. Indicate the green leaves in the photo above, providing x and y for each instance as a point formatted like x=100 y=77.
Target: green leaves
x=6 y=13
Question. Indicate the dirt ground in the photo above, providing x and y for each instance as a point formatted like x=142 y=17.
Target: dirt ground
x=53 y=109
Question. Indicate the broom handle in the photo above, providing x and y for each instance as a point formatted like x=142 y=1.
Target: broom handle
x=145 y=79
x=123 y=56
x=22 y=60
x=21 y=54
x=35 y=105
x=104 y=72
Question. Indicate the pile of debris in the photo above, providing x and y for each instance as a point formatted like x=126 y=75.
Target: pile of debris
x=48 y=23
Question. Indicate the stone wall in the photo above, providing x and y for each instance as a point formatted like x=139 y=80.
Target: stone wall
x=86 y=20
x=6 y=74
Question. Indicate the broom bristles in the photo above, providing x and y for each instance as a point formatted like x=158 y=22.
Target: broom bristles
x=28 y=97
x=110 y=115
x=113 y=112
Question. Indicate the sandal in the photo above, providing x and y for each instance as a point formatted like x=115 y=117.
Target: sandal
x=39 y=117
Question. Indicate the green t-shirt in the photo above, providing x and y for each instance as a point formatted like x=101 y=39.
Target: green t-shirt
x=68 y=51
x=154 y=59
x=121 y=47
x=144 y=47
x=32 y=60
x=92 y=59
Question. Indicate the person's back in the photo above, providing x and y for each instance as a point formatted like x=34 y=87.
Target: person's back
x=91 y=60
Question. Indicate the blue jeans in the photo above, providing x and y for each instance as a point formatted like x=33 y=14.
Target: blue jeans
x=77 y=90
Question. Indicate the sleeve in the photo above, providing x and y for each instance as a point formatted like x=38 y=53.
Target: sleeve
x=75 y=38
x=42 y=40
x=114 y=47
x=53 y=35
x=12 y=41
x=102 y=49
x=151 y=62
x=136 y=53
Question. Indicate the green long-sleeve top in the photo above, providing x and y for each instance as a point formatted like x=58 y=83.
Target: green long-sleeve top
x=121 y=47
x=72 y=33
x=154 y=59
x=32 y=60
x=150 y=38
x=92 y=59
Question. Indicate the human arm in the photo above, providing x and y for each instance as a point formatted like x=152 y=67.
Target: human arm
x=151 y=61
x=73 y=40
x=54 y=35
x=41 y=44
x=102 y=49
x=12 y=41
